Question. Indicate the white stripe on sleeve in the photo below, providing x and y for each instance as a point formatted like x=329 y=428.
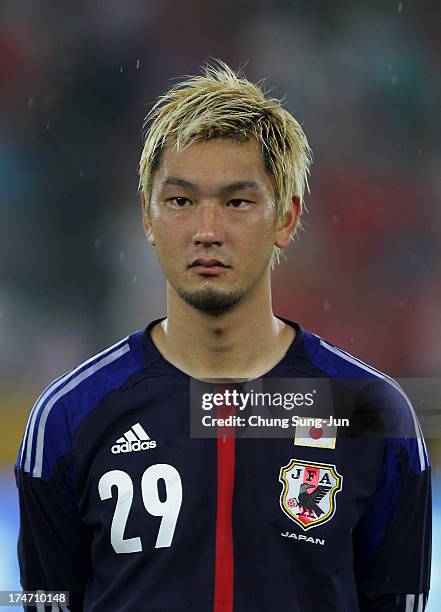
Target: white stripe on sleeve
x=422 y=452
x=28 y=441
x=71 y=385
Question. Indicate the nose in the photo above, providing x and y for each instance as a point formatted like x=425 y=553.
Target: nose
x=209 y=226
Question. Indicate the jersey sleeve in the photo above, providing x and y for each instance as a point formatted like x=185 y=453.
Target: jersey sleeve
x=53 y=543
x=392 y=541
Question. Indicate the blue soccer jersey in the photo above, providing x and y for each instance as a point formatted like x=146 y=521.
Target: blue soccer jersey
x=123 y=508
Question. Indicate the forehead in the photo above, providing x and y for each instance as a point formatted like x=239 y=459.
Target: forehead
x=214 y=162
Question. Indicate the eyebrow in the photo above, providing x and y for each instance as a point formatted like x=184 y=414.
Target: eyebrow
x=235 y=186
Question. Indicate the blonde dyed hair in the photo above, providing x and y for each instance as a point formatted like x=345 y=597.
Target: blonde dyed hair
x=222 y=103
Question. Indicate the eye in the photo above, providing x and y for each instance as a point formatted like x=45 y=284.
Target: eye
x=179 y=202
x=238 y=203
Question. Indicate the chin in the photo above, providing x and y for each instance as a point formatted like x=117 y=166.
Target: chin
x=211 y=300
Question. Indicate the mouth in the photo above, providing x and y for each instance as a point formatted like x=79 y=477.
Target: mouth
x=208 y=267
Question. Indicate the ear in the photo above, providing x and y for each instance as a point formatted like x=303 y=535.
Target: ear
x=146 y=221
x=286 y=227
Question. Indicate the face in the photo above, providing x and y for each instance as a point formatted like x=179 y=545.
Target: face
x=212 y=220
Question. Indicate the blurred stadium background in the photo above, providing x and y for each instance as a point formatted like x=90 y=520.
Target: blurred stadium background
x=76 y=81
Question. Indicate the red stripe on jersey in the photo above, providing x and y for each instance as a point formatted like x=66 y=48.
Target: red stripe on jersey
x=224 y=563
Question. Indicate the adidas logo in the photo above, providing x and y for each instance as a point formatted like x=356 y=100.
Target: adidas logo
x=135 y=439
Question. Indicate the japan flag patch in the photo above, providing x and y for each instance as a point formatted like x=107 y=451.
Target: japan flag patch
x=316 y=436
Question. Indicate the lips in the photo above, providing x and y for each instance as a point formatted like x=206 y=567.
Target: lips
x=208 y=267
x=207 y=263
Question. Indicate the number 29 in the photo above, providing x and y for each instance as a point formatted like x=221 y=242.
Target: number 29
x=168 y=509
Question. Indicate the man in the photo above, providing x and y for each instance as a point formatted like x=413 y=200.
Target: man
x=122 y=506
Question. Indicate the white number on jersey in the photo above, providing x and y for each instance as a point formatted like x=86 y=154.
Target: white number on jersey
x=124 y=485
x=168 y=509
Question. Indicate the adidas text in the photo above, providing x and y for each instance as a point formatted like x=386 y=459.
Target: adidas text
x=128 y=447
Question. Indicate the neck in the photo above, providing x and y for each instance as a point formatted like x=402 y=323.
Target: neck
x=244 y=342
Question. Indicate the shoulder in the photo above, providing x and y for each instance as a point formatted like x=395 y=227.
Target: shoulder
x=335 y=361
x=65 y=402
x=378 y=394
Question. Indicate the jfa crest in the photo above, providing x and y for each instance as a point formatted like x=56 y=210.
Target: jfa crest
x=309 y=491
